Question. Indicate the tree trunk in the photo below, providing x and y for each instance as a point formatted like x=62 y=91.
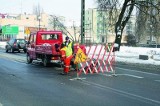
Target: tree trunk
x=122 y=20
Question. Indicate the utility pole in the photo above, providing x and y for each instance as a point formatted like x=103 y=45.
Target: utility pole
x=39 y=20
x=82 y=21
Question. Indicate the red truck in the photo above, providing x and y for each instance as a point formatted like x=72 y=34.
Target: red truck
x=41 y=46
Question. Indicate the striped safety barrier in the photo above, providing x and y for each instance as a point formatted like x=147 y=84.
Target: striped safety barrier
x=101 y=58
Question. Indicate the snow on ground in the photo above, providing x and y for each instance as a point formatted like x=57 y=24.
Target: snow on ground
x=2 y=44
x=128 y=54
x=131 y=55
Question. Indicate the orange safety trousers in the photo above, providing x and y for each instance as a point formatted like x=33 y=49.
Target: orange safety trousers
x=67 y=62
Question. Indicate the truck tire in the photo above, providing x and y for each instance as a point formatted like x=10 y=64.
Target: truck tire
x=45 y=61
x=6 y=50
x=29 y=60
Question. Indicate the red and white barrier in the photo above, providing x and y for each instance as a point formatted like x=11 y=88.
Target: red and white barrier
x=101 y=59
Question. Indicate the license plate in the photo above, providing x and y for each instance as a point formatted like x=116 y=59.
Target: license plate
x=55 y=61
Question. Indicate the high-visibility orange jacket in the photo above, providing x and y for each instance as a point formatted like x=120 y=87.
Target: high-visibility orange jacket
x=66 y=56
x=63 y=53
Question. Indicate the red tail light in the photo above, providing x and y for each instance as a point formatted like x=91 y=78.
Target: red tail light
x=14 y=44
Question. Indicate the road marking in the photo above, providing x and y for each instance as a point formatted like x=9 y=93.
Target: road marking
x=139 y=71
x=1 y=104
x=108 y=75
x=157 y=80
x=124 y=75
x=120 y=92
x=133 y=76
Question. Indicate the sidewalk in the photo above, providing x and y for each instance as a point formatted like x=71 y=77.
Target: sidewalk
x=2 y=44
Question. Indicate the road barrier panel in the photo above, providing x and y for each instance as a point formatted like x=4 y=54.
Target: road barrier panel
x=100 y=58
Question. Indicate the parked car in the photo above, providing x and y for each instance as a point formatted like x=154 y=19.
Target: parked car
x=16 y=45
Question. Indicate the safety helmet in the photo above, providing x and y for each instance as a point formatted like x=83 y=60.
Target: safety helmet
x=67 y=38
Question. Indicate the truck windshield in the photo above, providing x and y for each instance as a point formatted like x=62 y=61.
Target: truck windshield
x=49 y=36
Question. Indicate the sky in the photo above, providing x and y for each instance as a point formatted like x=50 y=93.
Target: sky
x=71 y=9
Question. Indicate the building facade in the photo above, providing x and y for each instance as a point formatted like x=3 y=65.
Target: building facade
x=98 y=29
x=20 y=26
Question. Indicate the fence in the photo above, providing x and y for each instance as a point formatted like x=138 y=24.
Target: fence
x=101 y=58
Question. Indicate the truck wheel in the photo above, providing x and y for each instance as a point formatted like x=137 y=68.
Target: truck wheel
x=45 y=61
x=6 y=50
x=29 y=60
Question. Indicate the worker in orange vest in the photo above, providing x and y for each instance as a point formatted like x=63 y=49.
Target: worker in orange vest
x=66 y=56
x=69 y=54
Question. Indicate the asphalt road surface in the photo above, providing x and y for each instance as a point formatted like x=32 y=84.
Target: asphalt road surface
x=24 y=84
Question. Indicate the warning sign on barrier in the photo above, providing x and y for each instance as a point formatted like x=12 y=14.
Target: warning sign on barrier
x=80 y=57
x=99 y=58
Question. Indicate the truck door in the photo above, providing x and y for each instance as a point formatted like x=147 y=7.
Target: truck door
x=32 y=46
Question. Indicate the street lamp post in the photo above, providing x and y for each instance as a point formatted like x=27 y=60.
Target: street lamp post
x=39 y=20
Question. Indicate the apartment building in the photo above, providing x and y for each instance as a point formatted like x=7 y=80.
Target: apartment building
x=20 y=26
x=97 y=27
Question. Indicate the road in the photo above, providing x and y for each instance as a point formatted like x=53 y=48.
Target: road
x=24 y=84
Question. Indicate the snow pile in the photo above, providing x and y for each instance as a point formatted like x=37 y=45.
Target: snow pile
x=131 y=55
x=2 y=44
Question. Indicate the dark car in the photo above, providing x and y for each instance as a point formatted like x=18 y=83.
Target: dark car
x=16 y=45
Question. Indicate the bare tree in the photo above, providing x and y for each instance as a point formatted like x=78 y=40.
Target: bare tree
x=141 y=22
x=37 y=10
x=156 y=27
x=125 y=10
x=57 y=23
